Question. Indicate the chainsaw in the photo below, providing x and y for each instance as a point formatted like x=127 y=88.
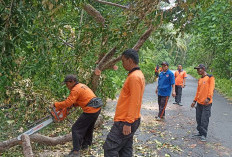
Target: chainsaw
x=55 y=115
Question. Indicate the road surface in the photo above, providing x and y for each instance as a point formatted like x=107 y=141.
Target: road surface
x=172 y=137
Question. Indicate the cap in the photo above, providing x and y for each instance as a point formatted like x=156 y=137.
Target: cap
x=200 y=66
x=165 y=63
x=70 y=77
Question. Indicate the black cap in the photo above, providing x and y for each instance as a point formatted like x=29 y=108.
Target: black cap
x=165 y=63
x=69 y=78
x=200 y=66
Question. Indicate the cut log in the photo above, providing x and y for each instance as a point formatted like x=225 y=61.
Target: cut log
x=41 y=139
x=9 y=143
x=26 y=143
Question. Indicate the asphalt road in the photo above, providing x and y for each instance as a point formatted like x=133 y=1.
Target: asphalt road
x=173 y=136
x=180 y=123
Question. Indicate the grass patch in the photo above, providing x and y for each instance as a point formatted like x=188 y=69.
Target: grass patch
x=224 y=87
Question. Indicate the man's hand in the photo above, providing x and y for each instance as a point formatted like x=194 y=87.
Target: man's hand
x=126 y=130
x=52 y=105
x=182 y=86
x=173 y=93
x=156 y=91
x=193 y=104
x=206 y=101
x=173 y=90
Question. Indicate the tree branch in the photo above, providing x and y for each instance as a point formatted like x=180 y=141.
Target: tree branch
x=113 y=4
x=37 y=138
x=93 y=12
x=147 y=34
x=81 y=20
x=100 y=66
x=106 y=58
x=66 y=43
x=143 y=38
x=111 y=63
x=137 y=46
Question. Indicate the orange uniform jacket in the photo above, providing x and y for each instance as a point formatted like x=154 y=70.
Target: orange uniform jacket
x=179 y=77
x=205 y=89
x=80 y=95
x=130 y=99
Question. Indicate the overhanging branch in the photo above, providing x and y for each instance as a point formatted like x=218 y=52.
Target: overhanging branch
x=112 y=62
x=93 y=12
x=143 y=38
x=106 y=58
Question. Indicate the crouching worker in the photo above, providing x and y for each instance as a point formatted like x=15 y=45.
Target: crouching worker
x=82 y=129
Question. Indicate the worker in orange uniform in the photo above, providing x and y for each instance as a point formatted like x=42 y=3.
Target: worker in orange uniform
x=82 y=96
x=180 y=78
x=157 y=71
x=119 y=141
x=204 y=99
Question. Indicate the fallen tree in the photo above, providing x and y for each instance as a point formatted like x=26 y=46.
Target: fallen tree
x=38 y=138
x=41 y=139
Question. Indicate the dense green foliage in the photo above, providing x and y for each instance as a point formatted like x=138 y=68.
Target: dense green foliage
x=208 y=41
x=212 y=40
x=211 y=44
